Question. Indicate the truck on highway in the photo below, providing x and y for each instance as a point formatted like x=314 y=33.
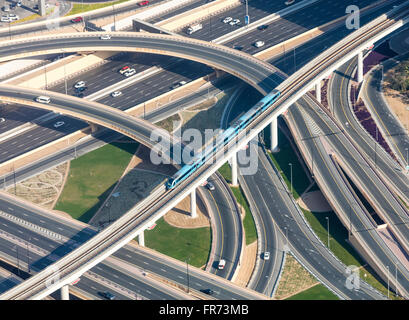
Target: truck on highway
x=194 y=28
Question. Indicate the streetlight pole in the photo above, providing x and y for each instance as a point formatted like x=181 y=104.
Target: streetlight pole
x=28 y=256
x=387 y=267
x=291 y=177
x=65 y=76
x=327 y=230
x=187 y=273
x=376 y=142
x=396 y=279
x=113 y=10
x=18 y=261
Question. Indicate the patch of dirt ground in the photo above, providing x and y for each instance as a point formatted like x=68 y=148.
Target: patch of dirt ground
x=42 y=189
x=294 y=279
x=248 y=260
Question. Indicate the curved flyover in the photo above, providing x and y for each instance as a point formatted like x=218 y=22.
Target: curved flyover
x=257 y=73
x=124 y=229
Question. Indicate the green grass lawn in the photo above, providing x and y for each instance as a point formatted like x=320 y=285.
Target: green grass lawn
x=248 y=222
x=338 y=235
x=92 y=177
x=318 y=292
x=79 y=7
x=179 y=243
x=282 y=159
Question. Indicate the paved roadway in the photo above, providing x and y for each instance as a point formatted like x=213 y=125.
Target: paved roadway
x=160 y=83
x=339 y=101
x=396 y=134
x=311 y=137
x=270 y=198
x=136 y=257
x=323 y=127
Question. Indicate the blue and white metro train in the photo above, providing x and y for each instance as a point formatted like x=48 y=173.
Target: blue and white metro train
x=224 y=139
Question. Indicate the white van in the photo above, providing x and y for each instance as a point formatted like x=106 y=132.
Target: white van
x=43 y=99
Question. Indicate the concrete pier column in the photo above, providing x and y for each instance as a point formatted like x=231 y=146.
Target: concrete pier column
x=141 y=239
x=193 y=211
x=274 y=135
x=360 y=70
x=318 y=91
x=41 y=8
x=65 y=292
x=234 y=168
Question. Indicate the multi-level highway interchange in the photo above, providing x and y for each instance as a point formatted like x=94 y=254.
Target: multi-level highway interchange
x=317 y=58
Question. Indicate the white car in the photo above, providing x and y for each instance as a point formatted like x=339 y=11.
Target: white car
x=19 y=4
x=116 y=94
x=5 y=19
x=58 y=124
x=221 y=265
x=2 y=120
x=79 y=84
x=13 y=17
x=287 y=3
x=266 y=255
x=130 y=73
x=234 y=22
x=259 y=44
x=105 y=37
x=227 y=19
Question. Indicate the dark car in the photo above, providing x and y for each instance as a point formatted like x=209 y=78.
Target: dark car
x=263 y=27
x=107 y=295
x=207 y=291
x=81 y=89
x=210 y=186
x=238 y=48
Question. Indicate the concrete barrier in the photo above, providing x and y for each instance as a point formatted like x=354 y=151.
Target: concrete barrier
x=197 y=14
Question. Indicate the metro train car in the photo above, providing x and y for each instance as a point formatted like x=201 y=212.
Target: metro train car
x=226 y=137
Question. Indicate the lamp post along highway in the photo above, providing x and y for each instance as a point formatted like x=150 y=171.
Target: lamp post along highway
x=387 y=267
x=327 y=230
x=291 y=177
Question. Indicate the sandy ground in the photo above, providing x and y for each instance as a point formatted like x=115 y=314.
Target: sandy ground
x=398 y=104
x=42 y=189
x=294 y=279
x=180 y=215
x=248 y=261
x=314 y=201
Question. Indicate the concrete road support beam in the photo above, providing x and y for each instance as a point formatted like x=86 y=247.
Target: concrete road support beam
x=274 y=135
x=141 y=239
x=193 y=210
x=318 y=91
x=41 y=8
x=93 y=127
x=65 y=292
x=234 y=169
x=360 y=71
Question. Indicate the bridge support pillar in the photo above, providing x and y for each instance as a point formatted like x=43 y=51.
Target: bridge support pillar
x=193 y=211
x=274 y=135
x=318 y=91
x=360 y=70
x=42 y=8
x=141 y=239
x=93 y=127
x=65 y=292
x=234 y=169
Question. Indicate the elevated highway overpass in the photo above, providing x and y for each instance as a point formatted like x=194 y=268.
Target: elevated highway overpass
x=125 y=228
